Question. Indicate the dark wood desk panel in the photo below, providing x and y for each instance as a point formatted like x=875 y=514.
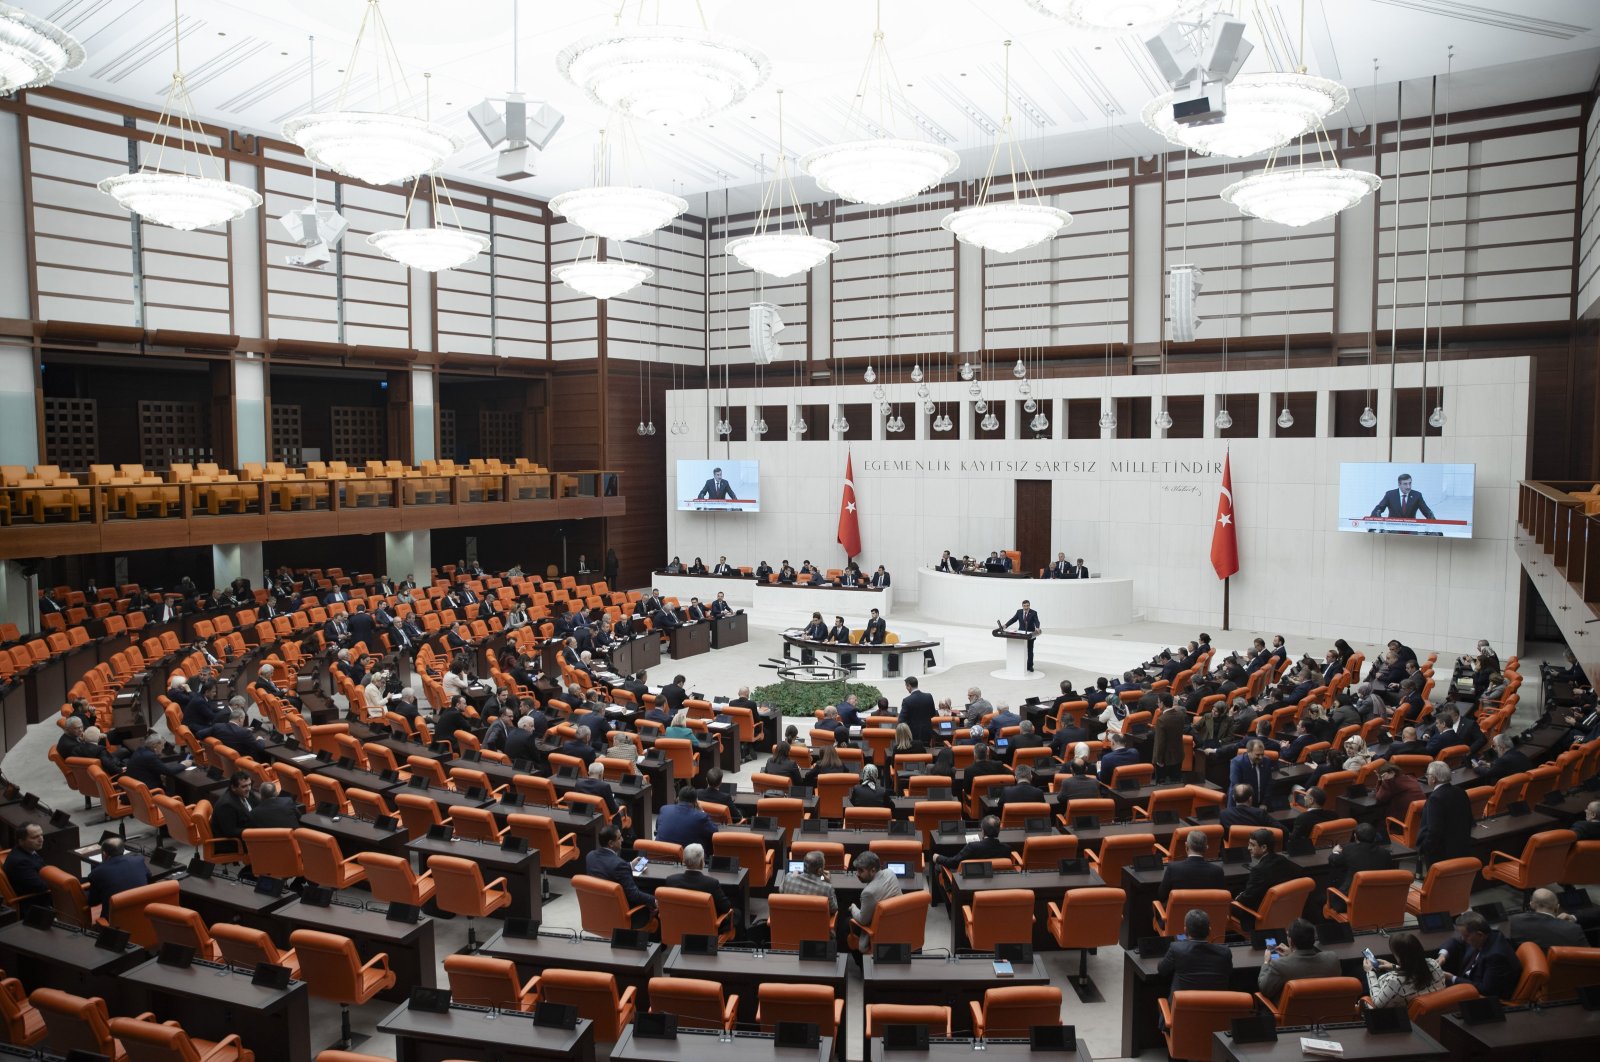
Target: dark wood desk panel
x=1358 y=1045
x=60 y=842
x=953 y=984
x=705 y=1045
x=410 y=947
x=733 y=629
x=962 y=1050
x=533 y=955
x=640 y=653
x=225 y=900
x=578 y=821
x=61 y=958
x=469 y=1032
x=632 y=793
x=1549 y=1034
x=355 y=778
x=1046 y=886
x=689 y=639
x=742 y=971
x=521 y=871
x=213 y=1001
x=195 y=784
x=735 y=884
x=357 y=835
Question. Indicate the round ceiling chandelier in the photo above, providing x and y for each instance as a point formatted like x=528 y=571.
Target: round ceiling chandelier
x=601 y=279
x=882 y=168
x=775 y=252
x=1000 y=225
x=1118 y=16
x=660 y=74
x=1301 y=195
x=433 y=247
x=374 y=146
x=1265 y=111
x=33 y=51
x=618 y=212
x=180 y=199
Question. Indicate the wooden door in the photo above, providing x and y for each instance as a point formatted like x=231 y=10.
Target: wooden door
x=1033 y=523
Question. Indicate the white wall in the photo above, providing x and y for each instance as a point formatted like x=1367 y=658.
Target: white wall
x=1130 y=511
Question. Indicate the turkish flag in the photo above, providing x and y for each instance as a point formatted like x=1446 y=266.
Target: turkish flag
x=849 y=519
x=1224 y=534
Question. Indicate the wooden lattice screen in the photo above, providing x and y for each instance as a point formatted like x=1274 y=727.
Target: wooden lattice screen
x=71 y=433
x=172 y=431
x=358 y=434
x=286 y=437
x=499 y=434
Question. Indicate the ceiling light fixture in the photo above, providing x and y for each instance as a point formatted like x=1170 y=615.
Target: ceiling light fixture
x=881 y=169
x=1000 y=226
x=601 y=279
x=516 y=130
x=622 y=211
x=1265 y=111
x=314 y=228
x=778 y=253
x=1118 y=16
x=663 y=74
x=377 y=146
x=33 y=51
x=180 y=199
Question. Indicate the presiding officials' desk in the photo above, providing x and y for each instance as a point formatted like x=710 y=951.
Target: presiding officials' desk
x=1062 y=604
x=1358 y=1044
x=993 y=1050
x=409 y=946
x=61 y=958
x=742 y=972
x=953 y=984
x=793 y=603
x=1549 y=1033
x=737 y=590
x=632 y=967
x=706 y=1045
x=904 y=657
x=214 y=1001
x=478 y=1032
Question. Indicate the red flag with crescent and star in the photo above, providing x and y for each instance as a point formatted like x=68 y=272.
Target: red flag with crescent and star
x=849 y=518
x=1224 y=537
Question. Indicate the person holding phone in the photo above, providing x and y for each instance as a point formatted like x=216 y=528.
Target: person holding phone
x=1296 y=958
x=1413 y=973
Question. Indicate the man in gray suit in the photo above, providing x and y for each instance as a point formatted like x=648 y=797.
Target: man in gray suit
x=977 y=707
x=879 y=884
x=1296 y=958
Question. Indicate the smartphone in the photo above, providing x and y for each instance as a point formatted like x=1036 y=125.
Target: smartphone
x=1272 y=942
x=1273 y=956
x=1367 y=953
x=1183 y=936
x=1002 y=968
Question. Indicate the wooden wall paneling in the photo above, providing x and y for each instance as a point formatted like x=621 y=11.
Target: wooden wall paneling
x=224 y=436
x=401 y=445
x=357 y=435
x=447 y=434
x=640 y=536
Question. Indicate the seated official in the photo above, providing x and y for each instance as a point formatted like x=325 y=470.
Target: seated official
x=231 y=815
x=273 y=810
x=693 y=877
x=713 y=794
x=1268 y=867
x=868 y=793
x=987 y=846
x=879 y=884
x=23 y=864
x=595 y=784
x=581 y=745
x=1294 y=959
x=812 y=880
x=780 y=763
x=1023 y=791
x=1243 y=810
x=684 y=823
x=1120 y=753
x=1079 y=783
x=606 y=862
x=1546 y=924
x=1315 y=815
x=1194 y=870
x=118 y=871
x=1196 y=964
x=1366 y=851
x=144 y=764
x=1481 y=956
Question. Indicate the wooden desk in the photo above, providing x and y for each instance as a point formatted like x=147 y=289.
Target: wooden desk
x=735 y=884
x=639 y=653
x=962 y=1050
x=194 y=785
x=732 y=629
x=953 y=984
x=1550 y=1033
x=689 y=639
x=410 y=947
x=60 y=958
x=742 y=971
x=213 y=1000
x=520 y=871
x=60 y=842
x=469 y=1032
x=225 y=900
x=1357 y=1043
x=357 y=835
x=355 y=778
x=633 y=793
x=534 y=955
x=1508 y=833
x=705 y=1045
x=1046 y=885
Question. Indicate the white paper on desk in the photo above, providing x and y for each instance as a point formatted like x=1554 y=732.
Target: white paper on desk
x=307 y=756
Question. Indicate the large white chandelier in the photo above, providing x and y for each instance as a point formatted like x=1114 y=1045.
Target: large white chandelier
x=601 y=280
x=663 y=74
x=882 y=169
x=33 y=51
x=374 y=146
x=1001 y=226
x=1301 y=195
x=1118 y=16
x=180 y=199
x=777 y=253
x=1265 y=111
x=621 y=211
x=433 y=247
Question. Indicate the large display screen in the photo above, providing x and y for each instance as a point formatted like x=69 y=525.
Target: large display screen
x=719 y=486
x=1406 y=498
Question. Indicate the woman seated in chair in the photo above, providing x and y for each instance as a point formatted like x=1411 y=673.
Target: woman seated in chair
x=1413 y=973
x=679 y=727
x=827 y=762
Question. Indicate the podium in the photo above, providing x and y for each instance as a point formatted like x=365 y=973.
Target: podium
x=732 y=629
x=1017 y=643
x=689 y=639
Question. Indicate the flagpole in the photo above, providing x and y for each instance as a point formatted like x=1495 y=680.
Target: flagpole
x=1225 y=602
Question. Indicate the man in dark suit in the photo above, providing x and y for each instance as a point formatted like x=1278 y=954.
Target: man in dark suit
x=1482 y=957
x=947 y=563
x=522 y=739
x=273 y=810
x=1027 y=621
x=1508 y=760
x=1253 y=768
x=335 y=595
x=592 y=718
x=606 y=862
x=199 y=713
x=1059 y=567
x=876 y=630
x=716 y=488
x=713 y=794
x=581 y=746
x=1079 y=783
x=1315 y=815
x=1025 y=738
x=239 y=737
x=362 y=628
x=118 y=871
x=987 y=846
x=781 y=763
x=880 y=578
x=1080 y=570
x=1196 y=963
x=1403 y=502
x=1243 y=810
x=1365 y=852
x=693 y=877
x=1546 y=924
x=1022 y=792
x=1194 y=871
x=23 y=864
x=673 y=694
x=232 y=814
x=684 y=823
x=144 y=764
x=917 y=709
x=720 y=607
x=1268 y=867
x=1120 y=753
x=594 y=784
x=1446 y=819
x=1588 y=827
x=839 y=632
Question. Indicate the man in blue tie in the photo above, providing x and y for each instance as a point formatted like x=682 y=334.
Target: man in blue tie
x=1027 y=621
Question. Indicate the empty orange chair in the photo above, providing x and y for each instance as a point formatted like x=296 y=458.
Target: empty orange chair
x=393 y=881
x=1543 y=859
x=1102 y=810
x=1086 y=919
x=555 y=851
x=1316 y=1000
x=485 y=981
x=900 y=919
x=603 y=907
x=1583 y=864
x=882 y=1015
x=1535 y=977
x=76 y=1023
x=687 y=911
x=459 y=889
x=249 y=948
x=999 y=916
x=1014 y=1011
x=909 y=852
x=1571 y=969
x=750 y=850
x=1193 y=1016
x=333 y=970
x=797 y=917
x=928 y=814
x=1045 y=851
x=323 y=862
x=1427 y=1011
x=697 y=1004
x=179 y=925
x=152 y=1041
x=658 y=851
x=1216 y=903
x=1377 y=899
x=1447 y=888
x=24 y=1024
x=1281 y=905
x=126 y=910
x=1332 y=832
x=273 y=853
x=417 y=813
x=1120 y=851
x=476 y=824
x=595 y=996
x=814 y=1004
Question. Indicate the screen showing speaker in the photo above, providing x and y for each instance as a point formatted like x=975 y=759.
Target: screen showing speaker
x=1406 y=498
x=719 y=486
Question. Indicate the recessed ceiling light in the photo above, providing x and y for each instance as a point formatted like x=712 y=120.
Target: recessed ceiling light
x=221 y=34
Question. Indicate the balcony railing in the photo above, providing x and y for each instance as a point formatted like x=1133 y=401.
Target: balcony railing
x=1569 y=537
